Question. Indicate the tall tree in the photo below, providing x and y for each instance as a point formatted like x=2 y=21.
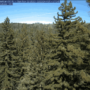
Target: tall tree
x=23 y=48
x=22 y=42
x=10 y=68
x=40 y=49
x=66 y=61
x=30 y=78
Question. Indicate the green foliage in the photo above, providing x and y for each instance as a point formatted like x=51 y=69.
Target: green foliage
x=36 y=67
x=10 y=69
x=23 y=50
x=54 y=57
x=23 y=45
x=68 y=61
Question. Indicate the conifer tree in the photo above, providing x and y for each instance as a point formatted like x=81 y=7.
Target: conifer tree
x=42 y=48
x=10 y=68
x=37 y=67
x=66 y=61
x=23 y=42
x=26 y=49
x=23 y=48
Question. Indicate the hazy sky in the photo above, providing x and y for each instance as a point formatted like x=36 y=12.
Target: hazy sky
x=40 y=12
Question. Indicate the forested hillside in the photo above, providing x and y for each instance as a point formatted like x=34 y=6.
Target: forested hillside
x=46 y=57
x=18 y=26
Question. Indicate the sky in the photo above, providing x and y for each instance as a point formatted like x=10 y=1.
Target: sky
x=40 y=12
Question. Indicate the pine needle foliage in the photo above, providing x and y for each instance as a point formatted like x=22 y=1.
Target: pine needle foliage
x=10 y=68
x=23 y=48
x=33 y=78
x=68 y=61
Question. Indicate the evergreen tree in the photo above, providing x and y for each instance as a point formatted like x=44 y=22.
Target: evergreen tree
x=29 y=80
x=22 y=43
x=23 y=48
x=67 y=61
x=37 y=66
x=42 y=48
x=10 y=68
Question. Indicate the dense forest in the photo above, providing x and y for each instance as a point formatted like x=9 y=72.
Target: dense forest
x=46 y=57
